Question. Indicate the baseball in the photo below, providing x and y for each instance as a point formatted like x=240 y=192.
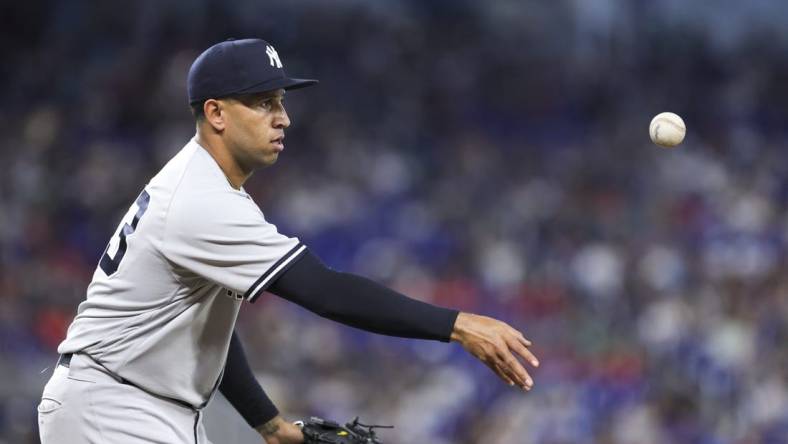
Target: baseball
x=667 y=130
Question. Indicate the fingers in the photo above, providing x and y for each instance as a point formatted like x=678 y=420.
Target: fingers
x=524 y=352
x=515 y=345
x=501 y=373
x=522 y=339
x=519 y=336
x=515 y=370
x=496 y=364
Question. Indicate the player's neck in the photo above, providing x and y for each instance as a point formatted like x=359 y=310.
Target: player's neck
x=232 y=171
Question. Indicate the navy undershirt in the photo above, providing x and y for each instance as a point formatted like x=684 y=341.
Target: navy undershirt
x=343 y=297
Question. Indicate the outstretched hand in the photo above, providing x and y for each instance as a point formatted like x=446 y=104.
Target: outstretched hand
x=496 y=344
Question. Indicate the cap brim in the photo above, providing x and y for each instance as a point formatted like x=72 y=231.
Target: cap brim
x=270 y=85
x=282 y=83
x=300 y=83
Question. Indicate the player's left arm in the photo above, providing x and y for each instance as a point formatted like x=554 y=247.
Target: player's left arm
x=359 y=302
x=245 y=394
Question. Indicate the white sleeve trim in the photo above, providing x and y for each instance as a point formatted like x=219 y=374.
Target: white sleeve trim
x=269 y=276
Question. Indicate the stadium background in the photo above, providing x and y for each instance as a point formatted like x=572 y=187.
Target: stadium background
x=491 y=156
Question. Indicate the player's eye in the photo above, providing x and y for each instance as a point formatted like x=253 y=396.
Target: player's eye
x=267 y=104
x=272 y=103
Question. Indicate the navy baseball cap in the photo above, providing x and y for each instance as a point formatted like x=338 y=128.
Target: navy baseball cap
x=236 y=67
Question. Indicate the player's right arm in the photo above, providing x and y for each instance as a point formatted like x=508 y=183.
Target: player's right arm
x=359 y=302
x=224 y=238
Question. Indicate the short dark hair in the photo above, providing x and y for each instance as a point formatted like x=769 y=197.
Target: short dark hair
x=198 y=110
x=198 y=107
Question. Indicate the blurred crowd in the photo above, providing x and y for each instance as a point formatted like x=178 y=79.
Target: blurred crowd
x=489 y=156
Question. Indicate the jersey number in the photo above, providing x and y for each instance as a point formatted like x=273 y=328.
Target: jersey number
x=114 y=252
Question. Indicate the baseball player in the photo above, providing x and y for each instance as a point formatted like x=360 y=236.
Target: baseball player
x=154 y=340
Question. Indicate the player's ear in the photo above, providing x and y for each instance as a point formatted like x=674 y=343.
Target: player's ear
x=212 y=109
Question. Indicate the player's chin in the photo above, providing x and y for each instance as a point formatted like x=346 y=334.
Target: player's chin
x=269 y=159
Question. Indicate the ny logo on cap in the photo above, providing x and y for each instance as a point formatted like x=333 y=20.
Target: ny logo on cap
x=273 y=57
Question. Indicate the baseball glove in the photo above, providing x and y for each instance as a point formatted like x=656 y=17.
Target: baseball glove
x=322 y=431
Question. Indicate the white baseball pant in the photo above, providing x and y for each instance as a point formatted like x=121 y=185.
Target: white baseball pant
x=85 y=404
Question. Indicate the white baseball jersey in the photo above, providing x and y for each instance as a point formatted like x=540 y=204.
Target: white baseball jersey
x=162 y=304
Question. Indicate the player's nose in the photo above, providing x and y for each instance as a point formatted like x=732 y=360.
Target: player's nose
x=282 y=120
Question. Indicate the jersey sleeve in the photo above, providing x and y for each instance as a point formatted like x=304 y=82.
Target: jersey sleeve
x=225 y=238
